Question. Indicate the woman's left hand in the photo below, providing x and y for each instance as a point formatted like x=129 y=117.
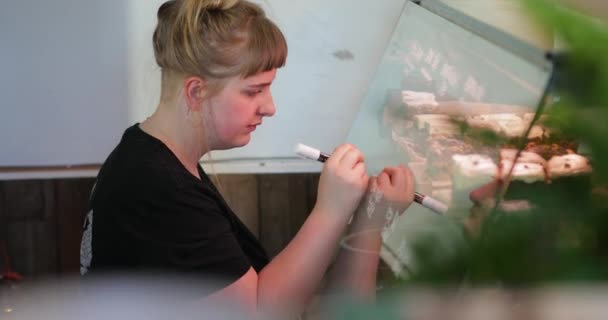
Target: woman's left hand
x=397 y=187
x=388 y=194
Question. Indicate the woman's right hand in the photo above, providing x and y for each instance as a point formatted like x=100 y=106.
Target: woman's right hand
x=343 y=182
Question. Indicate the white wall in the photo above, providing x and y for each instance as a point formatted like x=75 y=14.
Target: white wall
x=317 y=94
x=63 y=81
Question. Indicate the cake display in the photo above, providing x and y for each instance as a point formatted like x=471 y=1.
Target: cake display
x=570 y=173
x=461 y=121
x=549 y=149
x=524 y=156
x=440 y=149
x=452 y=164
x=505 y=124
x=529 y=174
x=569 y=165
x=526 y=172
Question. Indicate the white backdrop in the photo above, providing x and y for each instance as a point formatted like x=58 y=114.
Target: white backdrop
x=63 y=81
x=75 y=74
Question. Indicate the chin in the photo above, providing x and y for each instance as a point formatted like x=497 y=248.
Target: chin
x=237 y=143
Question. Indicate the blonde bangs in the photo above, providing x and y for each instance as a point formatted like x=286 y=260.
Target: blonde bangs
x=266 y=48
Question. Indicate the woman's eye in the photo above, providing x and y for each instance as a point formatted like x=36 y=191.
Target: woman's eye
x=252 y=93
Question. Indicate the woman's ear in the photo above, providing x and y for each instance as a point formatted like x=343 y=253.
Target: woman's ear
x=195 y=89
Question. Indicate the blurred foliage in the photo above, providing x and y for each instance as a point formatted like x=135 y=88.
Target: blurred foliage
x=482 y=136
x=564 y=238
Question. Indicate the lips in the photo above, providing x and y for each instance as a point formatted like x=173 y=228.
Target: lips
x=252 y=127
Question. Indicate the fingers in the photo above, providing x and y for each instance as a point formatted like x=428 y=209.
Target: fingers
x=343 y=181
x=373 y=183
x=352 y=158
x=347 y=155
x=409 y=179
x=397 y=184
x=397 y=176
x=359 y=170
x=339 y=153
x=384 y=180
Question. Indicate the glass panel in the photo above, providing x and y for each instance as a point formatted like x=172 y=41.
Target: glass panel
x=432 y=72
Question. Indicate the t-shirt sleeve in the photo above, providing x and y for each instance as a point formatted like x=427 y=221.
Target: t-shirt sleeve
x=184 y=230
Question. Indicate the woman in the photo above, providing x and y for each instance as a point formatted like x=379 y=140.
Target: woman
x=154 y=208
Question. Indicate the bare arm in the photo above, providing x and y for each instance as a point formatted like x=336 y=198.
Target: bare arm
x=355 y=270
x=288 y=283
x=294 y=276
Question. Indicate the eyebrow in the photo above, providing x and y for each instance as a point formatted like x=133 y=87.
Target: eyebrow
x=260 y=85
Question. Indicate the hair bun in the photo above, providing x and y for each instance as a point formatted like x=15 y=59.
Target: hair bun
x=166 y=9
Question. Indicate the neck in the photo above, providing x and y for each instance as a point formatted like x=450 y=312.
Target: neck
x=181 y=137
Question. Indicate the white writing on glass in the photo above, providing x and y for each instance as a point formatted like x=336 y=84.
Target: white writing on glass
x=474 y=89
x=433 y=59
x=416 y=52
x=449 y=73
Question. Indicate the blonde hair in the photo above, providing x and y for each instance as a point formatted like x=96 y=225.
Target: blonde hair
x=217 y=39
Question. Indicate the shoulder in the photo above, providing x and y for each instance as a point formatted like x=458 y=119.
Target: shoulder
x=141 y=165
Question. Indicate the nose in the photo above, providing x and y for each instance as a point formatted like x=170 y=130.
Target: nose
x=486 y=191
x=267 y=108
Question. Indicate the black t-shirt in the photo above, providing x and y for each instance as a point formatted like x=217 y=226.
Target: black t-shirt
x=149 y=213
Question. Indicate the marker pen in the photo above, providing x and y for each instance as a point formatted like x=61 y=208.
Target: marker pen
x=311 y=153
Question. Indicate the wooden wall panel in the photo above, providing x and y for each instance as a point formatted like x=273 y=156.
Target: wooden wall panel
x=274 y=212
x=31 y=227
x=241 y=193
x=3 y=225
x=42 y=219
x=24 y=200
x=285 y=203
x=72 y=201
x=299 y=206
